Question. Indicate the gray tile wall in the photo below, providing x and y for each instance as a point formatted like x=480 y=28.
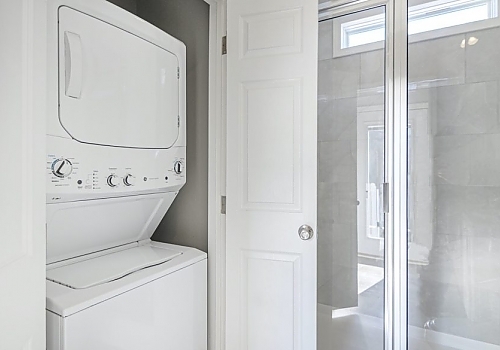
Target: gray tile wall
x=338 y=83
x=462 y=280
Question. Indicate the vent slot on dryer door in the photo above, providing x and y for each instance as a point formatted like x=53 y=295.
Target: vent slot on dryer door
x=115 y=88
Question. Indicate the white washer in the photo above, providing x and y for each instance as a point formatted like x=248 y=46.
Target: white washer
x=116 y=156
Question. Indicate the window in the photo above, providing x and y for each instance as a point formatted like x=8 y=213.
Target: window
x=422 y=18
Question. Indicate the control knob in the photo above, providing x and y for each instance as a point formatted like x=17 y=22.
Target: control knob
x=129 y=180
x=178 y=167
x=113 y=180
x=62 y=167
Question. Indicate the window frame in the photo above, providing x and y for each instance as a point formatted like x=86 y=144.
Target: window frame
x=376 y=20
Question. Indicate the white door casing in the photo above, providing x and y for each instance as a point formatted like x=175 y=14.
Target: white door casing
x=271 y=174
x=22 y=185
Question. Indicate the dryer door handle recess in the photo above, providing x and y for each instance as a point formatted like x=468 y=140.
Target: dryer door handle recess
x=73 y=64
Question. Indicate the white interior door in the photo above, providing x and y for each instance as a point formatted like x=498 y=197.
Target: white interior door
x=271 y=174
x=22 y=185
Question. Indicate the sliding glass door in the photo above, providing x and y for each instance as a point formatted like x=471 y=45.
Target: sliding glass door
x=409 y=175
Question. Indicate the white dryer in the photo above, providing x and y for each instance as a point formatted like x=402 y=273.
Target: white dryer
x=116 y=156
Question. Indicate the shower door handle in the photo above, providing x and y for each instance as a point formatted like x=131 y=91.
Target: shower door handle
x=306 y=232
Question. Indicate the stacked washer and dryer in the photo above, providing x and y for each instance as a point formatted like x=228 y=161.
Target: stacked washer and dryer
x=116 y=155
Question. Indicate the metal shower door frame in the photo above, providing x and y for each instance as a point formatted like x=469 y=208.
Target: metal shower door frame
x=396 y=160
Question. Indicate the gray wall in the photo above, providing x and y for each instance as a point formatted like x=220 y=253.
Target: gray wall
x=129 y=5
x=338 y=82
x=186 y=223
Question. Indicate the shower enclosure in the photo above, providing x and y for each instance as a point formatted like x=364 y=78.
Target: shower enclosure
x=409 y=175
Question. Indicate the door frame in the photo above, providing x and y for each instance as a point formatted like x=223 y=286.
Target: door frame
x=216 y=175
x=396 y=158
x=23 y=100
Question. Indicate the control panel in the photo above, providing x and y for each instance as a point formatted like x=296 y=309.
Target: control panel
x=89 y=171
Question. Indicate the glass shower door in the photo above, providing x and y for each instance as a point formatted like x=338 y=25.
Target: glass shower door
x=351 y=158
x=451 y=132
x=454 y=175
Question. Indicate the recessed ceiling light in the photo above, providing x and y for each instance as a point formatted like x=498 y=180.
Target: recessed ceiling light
x=472 y=40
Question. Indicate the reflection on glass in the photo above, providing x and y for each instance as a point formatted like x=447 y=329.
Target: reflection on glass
x=374 y=191
x=350 y=177
x=453 y=176
x=454 y=181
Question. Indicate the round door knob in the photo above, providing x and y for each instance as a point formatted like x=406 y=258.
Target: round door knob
x=62 y=167
x=306 y=232
x=178 y=167
x=113 y=180
x=129 y=180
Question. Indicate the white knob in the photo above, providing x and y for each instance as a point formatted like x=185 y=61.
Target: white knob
x=113 y=180
x=178 y=167
x=62 y=167
x=129 y=180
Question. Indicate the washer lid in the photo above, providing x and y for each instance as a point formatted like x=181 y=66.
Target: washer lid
x=107 y=268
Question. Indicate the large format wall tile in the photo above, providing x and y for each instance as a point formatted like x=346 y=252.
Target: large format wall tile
x=485 y=162
x=345 y=76
x=327 y=208
x=336 y=204
x=338 y=84
x=483 y=58
x=337 y=120
x=437 y=62
x=325 y=81
x=482 y=207
x=449 y=207
x=372 y=69
x=452 y=159
x=337 y=162
x=467 y=210
x=325 y=262
x=325 y=44
x=466 y=109
x=341 y=290
x=339 y=77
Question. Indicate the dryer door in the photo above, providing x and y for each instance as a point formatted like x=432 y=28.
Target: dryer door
x=115 y=88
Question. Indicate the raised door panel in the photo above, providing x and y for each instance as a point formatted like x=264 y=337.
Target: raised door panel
x=270 y=285
x=271 y=144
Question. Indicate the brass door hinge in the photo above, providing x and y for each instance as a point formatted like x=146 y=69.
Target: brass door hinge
x=224 y=45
